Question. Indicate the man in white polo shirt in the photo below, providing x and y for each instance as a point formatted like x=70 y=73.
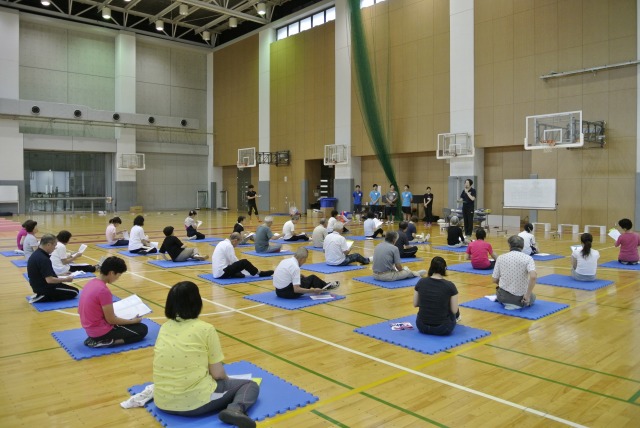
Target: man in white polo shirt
x=290 y=284
x=225 y=264
x=515 y=273
x=336 y=250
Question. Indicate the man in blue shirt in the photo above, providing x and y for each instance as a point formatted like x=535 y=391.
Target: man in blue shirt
x=357 y=202
x=374 y=195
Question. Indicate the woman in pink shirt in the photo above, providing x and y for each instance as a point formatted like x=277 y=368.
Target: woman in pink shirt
x=479 y=250
x=628 y=242
x=21 y=234
x=103 y=326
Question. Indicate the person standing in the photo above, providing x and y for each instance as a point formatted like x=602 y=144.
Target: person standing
x=374 y=202
x=468 y=197
x=407 y=196
x=428 y=207
x=357 y=202
x=251 y=201
x=392 y=197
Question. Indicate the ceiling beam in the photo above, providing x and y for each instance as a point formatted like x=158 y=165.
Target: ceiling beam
x=225 y=11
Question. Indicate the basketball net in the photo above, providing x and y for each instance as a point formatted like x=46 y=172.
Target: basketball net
x=548 y=145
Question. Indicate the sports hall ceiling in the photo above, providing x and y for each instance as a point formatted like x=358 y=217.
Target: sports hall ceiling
x=140 y=16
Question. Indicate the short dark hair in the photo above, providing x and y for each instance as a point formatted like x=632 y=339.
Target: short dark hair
x=391 y=237
x=357 y=185
x=470 y=181
x=334 y=213
x=428 y=188
x=407 y=186
x=528 y=227
x=63 y=236
x=480 y=233
x=115 y=220
x=193 y=212
x=138 y=221
x=183 y=301
x=414 y=218
x=370 y=214
x=438 y=265
x=240 y=218
x=47 y=238
x=625 y=223
x=25 y=223
x=30 y=225
x=168 y=230
x=403 y=225
x=374 y=185
x=113 y=264
x=250 y=186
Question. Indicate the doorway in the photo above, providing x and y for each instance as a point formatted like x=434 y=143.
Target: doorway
x=243 y=181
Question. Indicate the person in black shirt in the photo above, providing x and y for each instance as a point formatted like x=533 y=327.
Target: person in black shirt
x=468 y=198
x=251 y=200
x=176 y=250
x=437 y=300
x=455 y=237
x=43 y=280
x=428 y=206
x=402 y=243
x=239 y=228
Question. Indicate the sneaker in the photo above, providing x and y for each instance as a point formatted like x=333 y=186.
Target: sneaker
x=458 y=318
x=426 y=238
x=264 y=273
x=332 y=285
x=191 y=237
x=370 y=259
x=511 y=307
x=35 y=298
x=236 y=418
x=368 y=238
x=92 y=343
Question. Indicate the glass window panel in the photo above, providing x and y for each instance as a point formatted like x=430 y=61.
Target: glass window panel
x=282 y=33
x=330 y=14
x=318 y=19
x=294 y=28
x=366 y=3
x=305 y=23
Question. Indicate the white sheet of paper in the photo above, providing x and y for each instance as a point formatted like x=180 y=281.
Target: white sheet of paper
x=241 y=376
x=322 y=297
x=542 y=254
x=130 y=307
x=125 y=234
x=376 y=223
x=491 y=297
x=154 y=245
x=349 y=243
x=82 y=248
x=199 y=223
x=614 y=233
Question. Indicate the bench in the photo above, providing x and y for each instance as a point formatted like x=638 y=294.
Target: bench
x=603 y=229
x=561 y=227
x=547 y=226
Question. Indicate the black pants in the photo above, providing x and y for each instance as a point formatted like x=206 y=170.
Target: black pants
x=408 y=252
x=390 y=212
x=308 y=282
x=253 y=207
x=193 y=232
x=378 y=231
x=83 y=268
x=298 y=238
x=234 y=270
x=428 y=214
x=120 y=243
x=443 y=329
x=58 y=292
x=467 y=215
x=491 y=266
x=143 y=251
x=130 y=333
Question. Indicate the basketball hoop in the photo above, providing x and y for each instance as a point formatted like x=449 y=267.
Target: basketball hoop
x=241 y=166
x=549 y=145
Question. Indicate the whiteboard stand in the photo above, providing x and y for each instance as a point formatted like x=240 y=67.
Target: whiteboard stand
x=10 y=195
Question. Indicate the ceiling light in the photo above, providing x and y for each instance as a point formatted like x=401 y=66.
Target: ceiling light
x=45 y=2
x=233 y=22
x=184 y=9
x=106 y=13
x=206 y=36
x=262 y=8
x=160 y=25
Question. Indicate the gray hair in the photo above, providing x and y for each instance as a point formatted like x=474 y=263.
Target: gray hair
x=323 y=221
x=454 y=221
x=235 y=236
x=516 y=242
x=268 y=219
x=301 y=253
x=48 y=239
x=338 y=227
x=391 y=237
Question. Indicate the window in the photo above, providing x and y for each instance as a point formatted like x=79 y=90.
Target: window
x=307 y=23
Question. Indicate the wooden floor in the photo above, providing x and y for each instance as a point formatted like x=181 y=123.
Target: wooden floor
x=577 y=367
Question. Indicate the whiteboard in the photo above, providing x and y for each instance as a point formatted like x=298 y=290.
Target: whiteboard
x=9 y=194
x=539 y=194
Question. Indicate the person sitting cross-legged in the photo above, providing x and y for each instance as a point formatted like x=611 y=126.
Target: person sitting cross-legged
x=290 y=284
x=239 y=227
x=43 y=279
x=264 y=235
x=455 y=235
x=406 y=250
x=336 y=249
x=515 y=273
x=335 y=219
x=225 y=264
x=479 y=250
x=370 y=230
x=178 y=252
x=319 y=233
x=288 y=230
x=62 y=261
x=386 y=261
x=437 y=300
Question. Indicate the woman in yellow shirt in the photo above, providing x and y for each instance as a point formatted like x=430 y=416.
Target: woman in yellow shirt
x=188 y=373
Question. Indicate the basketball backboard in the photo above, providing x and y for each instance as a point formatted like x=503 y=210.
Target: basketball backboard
x=557 y=130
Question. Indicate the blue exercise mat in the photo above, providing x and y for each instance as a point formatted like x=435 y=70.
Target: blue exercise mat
x=536 y=311
x=363 y=238
x=466 y=268
x=109 y=246
x=270 y=298
x=539 y=258
x=318 y=249
x=410 y=259
x=452 y=249
x=569 y=282
x=416 y=341
x=73 y=342
x=168 y=264
x=19 y=263
x=63 y=304
x=81 y=276
x=228 y=281
x=209 y=239
x=239 y=245
x=281 y=253
x=276 y=396
x=617 y=265
x=11 y=254
x=325 y=268
x=129 y=254
x=282 y=241
x=403 y=283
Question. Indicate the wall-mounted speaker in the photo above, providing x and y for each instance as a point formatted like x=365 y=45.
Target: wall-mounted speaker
x=152 y=120
x=116 y=117
x=77 y=114
x=183 y=122
x=35 y=110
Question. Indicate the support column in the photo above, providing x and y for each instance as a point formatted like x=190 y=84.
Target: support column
x=346 y=176
x=125 y=102
x=11 y=142
x=214 y=173
x=636 y=221
x=266 y=37
x=462 y=103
